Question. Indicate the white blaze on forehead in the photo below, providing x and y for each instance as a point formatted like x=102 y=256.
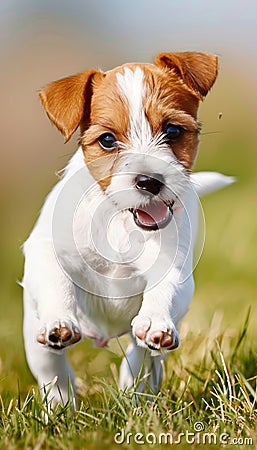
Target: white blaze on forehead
x=132 y=87
x=145 y=153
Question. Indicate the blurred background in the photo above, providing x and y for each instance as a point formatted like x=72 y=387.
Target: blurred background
x=43 y=40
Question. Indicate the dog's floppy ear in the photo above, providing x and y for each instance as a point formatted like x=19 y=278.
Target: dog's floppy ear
x=197 y=70
x=65 y=101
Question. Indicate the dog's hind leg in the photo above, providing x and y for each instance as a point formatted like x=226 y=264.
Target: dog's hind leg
x=49 y=367
x=141 y=370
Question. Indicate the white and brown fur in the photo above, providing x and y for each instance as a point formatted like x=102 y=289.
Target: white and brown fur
x=63 y=298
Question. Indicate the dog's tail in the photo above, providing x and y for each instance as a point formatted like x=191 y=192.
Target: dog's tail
x=207 y=182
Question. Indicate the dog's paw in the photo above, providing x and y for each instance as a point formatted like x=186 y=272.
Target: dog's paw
x=59 y=334
x=154 y=333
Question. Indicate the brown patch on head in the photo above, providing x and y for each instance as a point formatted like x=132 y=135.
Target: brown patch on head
x=92 y=100
x=175 y=85
x=109 y=113
x=168 y=101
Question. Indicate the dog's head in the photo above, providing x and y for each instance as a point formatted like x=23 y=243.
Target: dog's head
x=139 y=129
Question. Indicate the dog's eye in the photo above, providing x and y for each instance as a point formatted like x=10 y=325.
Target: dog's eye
x=173 y=131
x=107 y=141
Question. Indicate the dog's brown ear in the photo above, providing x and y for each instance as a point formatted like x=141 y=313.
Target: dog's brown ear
x=197 y=70
x=65 y=101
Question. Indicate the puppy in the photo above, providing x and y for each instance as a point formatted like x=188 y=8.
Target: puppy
x=112 y=250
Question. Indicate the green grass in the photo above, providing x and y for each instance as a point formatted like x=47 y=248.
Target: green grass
x=217 y=392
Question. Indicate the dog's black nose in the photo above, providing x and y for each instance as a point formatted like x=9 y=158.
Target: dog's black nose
x=151 y=183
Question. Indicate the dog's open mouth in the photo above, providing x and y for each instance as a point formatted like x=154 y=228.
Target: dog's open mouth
x=155 y=215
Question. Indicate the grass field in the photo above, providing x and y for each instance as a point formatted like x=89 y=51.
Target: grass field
x=211 y=401
x=210 y=381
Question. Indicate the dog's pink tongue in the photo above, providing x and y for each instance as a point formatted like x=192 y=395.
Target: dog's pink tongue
x=155 y=213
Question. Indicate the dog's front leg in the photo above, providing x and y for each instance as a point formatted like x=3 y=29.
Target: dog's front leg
x=155 y=331
x=53 y=294
x=156 y=325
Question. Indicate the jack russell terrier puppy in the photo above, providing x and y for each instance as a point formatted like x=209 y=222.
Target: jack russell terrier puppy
x=112 y=250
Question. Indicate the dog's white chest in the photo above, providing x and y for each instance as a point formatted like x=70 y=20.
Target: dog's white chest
x=102 y=318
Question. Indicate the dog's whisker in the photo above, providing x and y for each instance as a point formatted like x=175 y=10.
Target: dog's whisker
x=206 y=133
